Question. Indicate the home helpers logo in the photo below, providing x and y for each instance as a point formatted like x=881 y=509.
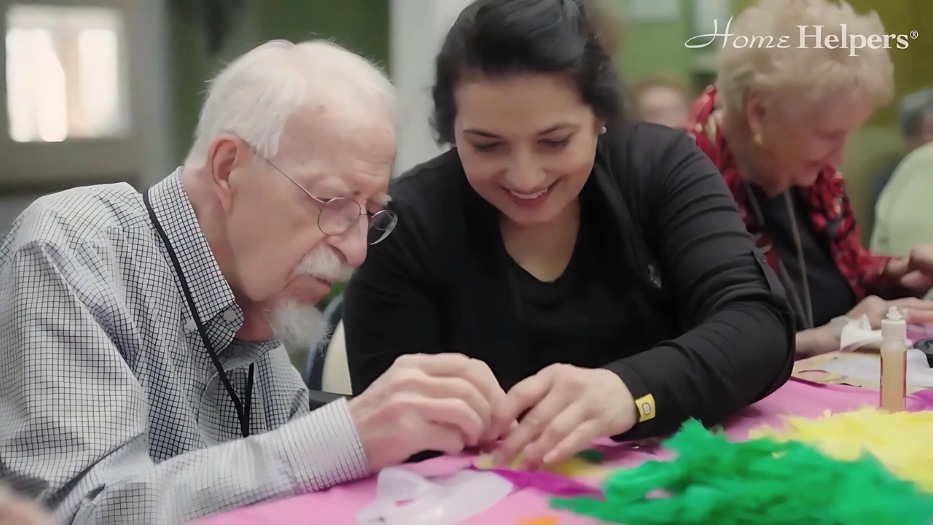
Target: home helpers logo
x=807 y=37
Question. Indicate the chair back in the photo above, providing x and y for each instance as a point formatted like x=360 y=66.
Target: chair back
x=335 y=376
x=317 y=354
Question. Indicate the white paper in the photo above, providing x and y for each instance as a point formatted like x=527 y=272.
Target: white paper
x=406 y=498
x=858 y=333
x=868 y=367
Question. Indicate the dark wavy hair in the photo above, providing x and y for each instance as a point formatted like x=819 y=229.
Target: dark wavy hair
x=499 y=38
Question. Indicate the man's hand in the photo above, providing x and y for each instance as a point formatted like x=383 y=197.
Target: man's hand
x=443 y=402
x=567 y=409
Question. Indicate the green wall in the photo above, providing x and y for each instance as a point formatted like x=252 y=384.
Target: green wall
x=359 y=25
x=656 y=46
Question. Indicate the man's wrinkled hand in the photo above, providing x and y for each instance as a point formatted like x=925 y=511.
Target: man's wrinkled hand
x=439 y=402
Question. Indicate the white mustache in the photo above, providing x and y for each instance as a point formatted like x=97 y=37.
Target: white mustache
x=326 y=265
x=297 y=325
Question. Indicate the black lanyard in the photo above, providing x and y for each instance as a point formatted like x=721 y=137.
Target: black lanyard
x=805 y=307
x=242 y=411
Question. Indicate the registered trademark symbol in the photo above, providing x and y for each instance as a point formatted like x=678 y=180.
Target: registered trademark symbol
x=914 y=34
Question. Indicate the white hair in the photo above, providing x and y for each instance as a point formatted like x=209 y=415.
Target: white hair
x=819 y=74
x=254 y=96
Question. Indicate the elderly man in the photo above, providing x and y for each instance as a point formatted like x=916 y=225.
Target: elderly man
x=141 y=376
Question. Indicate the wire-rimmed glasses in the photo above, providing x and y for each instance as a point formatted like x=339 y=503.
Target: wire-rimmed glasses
x=340 y=214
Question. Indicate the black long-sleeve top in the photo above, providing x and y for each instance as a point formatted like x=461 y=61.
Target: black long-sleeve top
x=664 y=287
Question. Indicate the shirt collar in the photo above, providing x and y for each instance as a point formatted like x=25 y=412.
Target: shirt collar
x=210 y=291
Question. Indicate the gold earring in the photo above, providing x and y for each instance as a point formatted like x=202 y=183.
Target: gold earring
x=758 y=139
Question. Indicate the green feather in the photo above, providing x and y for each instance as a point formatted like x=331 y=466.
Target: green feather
x=762 y=481
x=592 y=456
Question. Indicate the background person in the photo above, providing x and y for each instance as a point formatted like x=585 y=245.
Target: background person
x=776 y=125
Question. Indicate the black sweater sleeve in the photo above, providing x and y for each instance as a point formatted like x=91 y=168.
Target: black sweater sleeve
x=739 y=347
x=390 y=306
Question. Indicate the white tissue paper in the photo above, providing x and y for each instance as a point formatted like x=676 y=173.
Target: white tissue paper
x=406 y=498
x=857 y=333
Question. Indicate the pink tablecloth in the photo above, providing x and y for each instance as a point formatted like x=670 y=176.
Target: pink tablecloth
x=338 y=505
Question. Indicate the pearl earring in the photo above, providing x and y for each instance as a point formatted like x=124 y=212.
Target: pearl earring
x=602 y=131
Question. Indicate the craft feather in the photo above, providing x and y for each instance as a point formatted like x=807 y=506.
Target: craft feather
x=557 y=479
x=762 y=481
x=900 y=440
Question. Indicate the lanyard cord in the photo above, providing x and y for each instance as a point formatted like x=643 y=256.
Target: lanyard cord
x=805 y=307
x=242 y=411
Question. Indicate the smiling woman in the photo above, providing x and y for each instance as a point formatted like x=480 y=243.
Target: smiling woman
x=597 y=266
x=526 y=143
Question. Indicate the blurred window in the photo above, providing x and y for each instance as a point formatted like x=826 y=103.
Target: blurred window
x=64 y=73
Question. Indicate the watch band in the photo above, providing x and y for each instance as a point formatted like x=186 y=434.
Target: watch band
x=646 y=408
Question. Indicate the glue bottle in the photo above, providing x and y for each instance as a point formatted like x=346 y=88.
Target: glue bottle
x=893 y=361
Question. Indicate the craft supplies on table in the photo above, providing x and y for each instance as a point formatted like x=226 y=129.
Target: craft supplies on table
x=797 y=401
x=760 y=481
x=900 y=441
x=406 y=498
x=862 y=367
x=893 y=361
x=576 y=476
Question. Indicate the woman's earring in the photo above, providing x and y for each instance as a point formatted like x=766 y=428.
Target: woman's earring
x=758 y=139
x=602 y=131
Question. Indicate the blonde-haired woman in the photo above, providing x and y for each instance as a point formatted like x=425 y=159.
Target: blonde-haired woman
x=776 y=125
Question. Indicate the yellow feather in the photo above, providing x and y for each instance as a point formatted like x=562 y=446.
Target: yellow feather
x=902 y=441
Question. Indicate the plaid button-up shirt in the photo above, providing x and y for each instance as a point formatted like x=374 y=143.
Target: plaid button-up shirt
x=110 y=408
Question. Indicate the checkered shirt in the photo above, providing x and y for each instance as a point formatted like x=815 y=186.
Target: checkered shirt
x=110 y=408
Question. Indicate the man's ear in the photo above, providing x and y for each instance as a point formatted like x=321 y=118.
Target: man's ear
x=223 y=157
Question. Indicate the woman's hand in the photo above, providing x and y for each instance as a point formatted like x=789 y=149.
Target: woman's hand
x=914 y=272
x=875 y=309
x=823 y=339
x=566 y=408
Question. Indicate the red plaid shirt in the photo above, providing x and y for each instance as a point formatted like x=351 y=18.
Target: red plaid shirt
x=830 y=209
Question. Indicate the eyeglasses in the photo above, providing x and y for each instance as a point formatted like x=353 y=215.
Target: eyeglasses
x=340 y=214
